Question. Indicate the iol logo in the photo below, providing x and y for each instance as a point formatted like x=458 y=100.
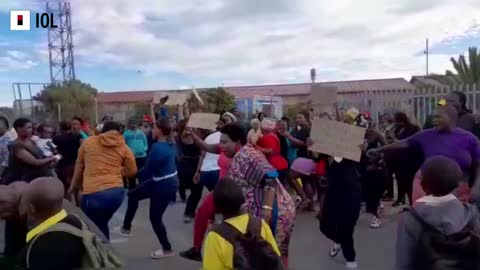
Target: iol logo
x=20 y=20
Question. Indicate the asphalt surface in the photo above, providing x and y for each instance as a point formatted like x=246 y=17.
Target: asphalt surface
x=308 y=249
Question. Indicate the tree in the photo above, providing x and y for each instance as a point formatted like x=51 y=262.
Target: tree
x=465 y=73
x=216 y=100
x=74 y=98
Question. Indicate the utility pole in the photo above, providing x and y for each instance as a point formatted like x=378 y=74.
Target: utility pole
x=427 y=55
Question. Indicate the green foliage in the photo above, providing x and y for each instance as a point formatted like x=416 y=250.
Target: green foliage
x=75 y=99
x=216 y=100
x=465 y=72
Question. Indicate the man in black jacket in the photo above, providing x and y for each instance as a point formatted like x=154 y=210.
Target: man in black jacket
x=43 y=200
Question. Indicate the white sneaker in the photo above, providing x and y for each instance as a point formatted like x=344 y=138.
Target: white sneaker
x=335 y=250
x=187 y=220
x=352 y=265
x=120 y=230
x=375 y=223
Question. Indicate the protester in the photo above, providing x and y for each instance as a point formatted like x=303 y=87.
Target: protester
x=229 y=118
x=407 y=162
x=188 y=158
x=373 y=174
x=206 y=211
x=439 y=223
x=458 y=144
x=50 y=250
x=105 y=119
x=465 y=120
x=4 y=142
x=68 y=143
x=288 y=151
x=260 y=116
x=387 y=128
x=341 y=206
x=158 y=182
x=44 y=140
x=269 y=145
x=136 y=140
x=26 y=161
x=98 y=171
x=77 y=124
x=244 y=123
x=255 y=133
x=219 y=252
x=264 y=194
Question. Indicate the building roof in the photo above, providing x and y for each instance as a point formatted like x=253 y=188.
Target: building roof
x=304 y=88
x=268 y=90
x=425 y=81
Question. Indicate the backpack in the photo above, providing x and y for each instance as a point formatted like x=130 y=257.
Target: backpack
x=251 y=251
x=437 y=251
x=97 y=255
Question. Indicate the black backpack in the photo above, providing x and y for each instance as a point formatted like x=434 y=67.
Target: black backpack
x=437 y=251
x=251 y=251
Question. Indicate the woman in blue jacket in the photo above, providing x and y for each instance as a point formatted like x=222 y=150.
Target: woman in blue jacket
x=158 y=182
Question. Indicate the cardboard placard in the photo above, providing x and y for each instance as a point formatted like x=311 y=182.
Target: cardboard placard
x=173 y=98
x=337 y=139
x=203 y=120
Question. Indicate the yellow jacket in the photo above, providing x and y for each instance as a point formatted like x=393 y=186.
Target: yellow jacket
x=104 y=160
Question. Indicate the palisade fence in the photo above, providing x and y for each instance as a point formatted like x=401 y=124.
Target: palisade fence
x=417 y=103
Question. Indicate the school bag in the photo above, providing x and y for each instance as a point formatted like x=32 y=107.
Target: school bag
x=97 y=255
x=437 y=251
x=251 y=251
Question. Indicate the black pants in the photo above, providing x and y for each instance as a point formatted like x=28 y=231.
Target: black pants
x=207 y=179
x=389 y=192
x=374 y=184
x=339 y=227
x=405 y=179
x=132 y=205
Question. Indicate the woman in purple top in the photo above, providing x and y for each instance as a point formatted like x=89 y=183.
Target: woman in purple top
x=443 y=140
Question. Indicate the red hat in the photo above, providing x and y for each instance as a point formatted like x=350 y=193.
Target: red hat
x=147 y=118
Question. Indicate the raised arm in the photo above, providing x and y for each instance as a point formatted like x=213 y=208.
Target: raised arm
x=210 y=148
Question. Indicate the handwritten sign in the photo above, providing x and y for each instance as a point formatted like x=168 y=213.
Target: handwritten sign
x=337 y=139
x=203 y=120
x=173 y=98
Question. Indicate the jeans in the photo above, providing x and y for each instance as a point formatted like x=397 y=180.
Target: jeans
x=374 y=184
x=209 y=179
x=132 y=205
x=100 y=206
x=161 y=194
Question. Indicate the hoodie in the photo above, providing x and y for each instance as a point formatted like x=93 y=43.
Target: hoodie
x=104 y=161
x=447 y=214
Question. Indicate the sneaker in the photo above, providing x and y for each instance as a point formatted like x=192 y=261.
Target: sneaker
x=334 y=250
x=375 y=223
x=161 y=254
x=187 y=219
x=352 y=265
x=192 y=254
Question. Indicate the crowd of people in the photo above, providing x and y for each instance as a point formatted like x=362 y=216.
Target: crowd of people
x=259 y=174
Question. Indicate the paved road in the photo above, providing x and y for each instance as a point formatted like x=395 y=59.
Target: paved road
x=309 y=249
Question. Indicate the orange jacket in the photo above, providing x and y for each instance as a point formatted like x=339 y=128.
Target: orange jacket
x=104 y=160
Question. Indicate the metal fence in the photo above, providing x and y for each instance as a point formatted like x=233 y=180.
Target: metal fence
x=417 y=103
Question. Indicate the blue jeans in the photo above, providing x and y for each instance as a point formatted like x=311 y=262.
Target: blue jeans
x=100 y=206
x=161 y=194
x=209 y=179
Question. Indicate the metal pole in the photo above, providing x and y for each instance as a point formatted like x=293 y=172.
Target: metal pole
x=20 y=98
x=31 y=102
x=427 y=54
x=59 y=110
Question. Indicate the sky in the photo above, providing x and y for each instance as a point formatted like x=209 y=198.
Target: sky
x=124 y=45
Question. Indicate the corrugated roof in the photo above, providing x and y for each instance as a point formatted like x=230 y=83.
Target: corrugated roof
x=304 y=88
x=267 y=90
x=424 y=81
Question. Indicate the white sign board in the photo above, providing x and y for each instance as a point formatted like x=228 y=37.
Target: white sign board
x=203 y=120
x=337 y=139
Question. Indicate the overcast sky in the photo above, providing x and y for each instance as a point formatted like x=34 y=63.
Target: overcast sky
x=149 y=44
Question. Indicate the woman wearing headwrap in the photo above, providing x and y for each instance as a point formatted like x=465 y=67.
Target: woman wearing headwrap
x=341 y=205
x=269 y=145
x=265 y=196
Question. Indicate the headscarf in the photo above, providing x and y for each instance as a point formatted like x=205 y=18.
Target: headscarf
x=351 y=115
x=268 y=125
x=231 y=116
x=254 y=121
x=249 y=167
